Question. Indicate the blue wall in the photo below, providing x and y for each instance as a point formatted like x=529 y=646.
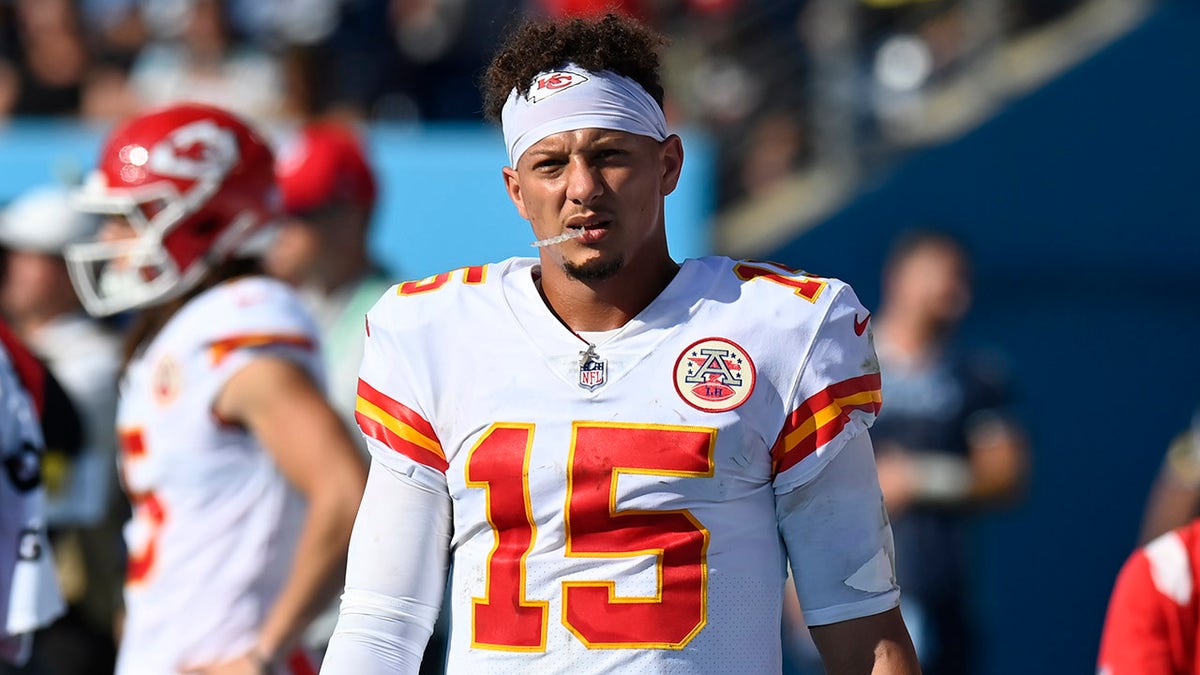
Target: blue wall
x=1080 y=205
x=442 y=201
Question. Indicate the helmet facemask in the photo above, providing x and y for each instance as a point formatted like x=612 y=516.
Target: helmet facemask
x=194 y=183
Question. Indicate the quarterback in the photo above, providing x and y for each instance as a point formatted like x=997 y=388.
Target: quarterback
x=607 y=458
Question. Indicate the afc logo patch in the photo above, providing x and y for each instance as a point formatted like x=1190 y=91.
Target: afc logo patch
x=714 y=375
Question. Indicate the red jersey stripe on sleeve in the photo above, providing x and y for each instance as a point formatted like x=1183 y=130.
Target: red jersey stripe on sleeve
x=398 y=427
x=822 y=417
x=220 y=349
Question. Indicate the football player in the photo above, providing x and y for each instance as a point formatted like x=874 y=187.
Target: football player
x=1151 y=626
x=243 y=482
x=602 y=445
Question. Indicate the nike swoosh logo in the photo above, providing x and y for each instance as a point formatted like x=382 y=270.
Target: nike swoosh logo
x=861 y=326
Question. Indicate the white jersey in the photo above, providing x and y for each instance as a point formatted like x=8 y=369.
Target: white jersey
x=215 y=523
x=614 y=507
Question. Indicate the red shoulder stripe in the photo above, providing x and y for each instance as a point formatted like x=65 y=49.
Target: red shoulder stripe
x=398 y=427
x=396 y=409
x=220 y=349
x=822 y=417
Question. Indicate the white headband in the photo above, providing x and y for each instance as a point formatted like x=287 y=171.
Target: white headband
x=573 y=98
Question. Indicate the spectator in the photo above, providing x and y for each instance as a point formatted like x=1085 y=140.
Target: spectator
x=204 y=61
x=116 y=35
x=439 y=47
x=83 y=510
x=947 y=442
x=48 y=70
x=329 y=193
x=1175 y=496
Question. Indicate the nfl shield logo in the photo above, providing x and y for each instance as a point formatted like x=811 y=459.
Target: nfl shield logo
x=592 y=373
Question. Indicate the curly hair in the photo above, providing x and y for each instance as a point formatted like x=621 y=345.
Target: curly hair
x=613 y=42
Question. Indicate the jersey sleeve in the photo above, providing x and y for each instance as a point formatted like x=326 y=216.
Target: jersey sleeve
x=395 y=576
x=836 y=396
x=838 y=539
x=828 y=503
x=389 y=408
x=255 y=318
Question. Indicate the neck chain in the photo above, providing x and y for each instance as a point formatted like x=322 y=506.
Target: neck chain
x=585 y=355
x=588 y=354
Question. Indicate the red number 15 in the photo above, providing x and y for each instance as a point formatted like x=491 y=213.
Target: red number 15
x=600 y=452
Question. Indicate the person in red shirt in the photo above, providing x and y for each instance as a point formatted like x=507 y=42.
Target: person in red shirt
x=1153 y=621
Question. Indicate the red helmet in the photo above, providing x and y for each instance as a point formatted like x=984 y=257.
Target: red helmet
x=195 y=182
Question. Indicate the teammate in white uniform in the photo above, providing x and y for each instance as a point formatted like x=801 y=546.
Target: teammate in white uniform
x=616 y=455
x=243 y=481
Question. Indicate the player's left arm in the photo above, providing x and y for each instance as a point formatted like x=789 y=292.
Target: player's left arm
x=878 y=644
x=839 y=543
x=278 y=402
x=828 y=504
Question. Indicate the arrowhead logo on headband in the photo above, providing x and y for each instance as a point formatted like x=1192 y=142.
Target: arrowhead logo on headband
x=549 y=84
x=607 y=100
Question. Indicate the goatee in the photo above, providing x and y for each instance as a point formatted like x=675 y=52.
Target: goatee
x=595 y=270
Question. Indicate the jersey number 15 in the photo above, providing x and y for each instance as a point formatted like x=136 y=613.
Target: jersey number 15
x=506 y=619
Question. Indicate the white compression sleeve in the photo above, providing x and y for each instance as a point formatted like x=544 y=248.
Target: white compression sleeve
x=838 y=538
x=395 y=576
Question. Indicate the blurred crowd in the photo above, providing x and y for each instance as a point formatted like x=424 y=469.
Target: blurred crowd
x=748 y=72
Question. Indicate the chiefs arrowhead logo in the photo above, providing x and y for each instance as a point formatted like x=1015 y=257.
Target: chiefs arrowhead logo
x=548 y=84
x=196 y=150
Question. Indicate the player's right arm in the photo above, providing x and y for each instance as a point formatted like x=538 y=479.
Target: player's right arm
x=400 y=544
x=395 y=576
